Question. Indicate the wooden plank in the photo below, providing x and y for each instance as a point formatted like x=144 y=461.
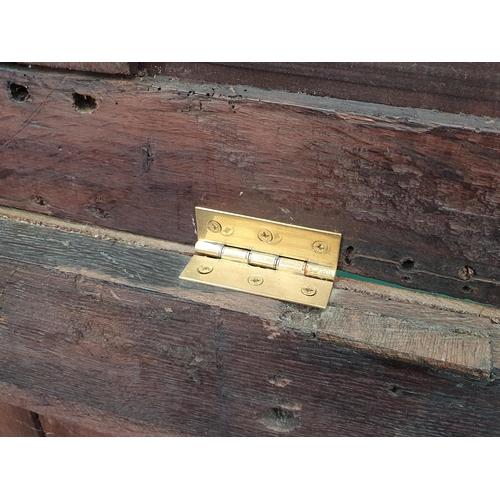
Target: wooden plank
x=18 y=422
x=471 y=88
x=122 y=339
x=110 y=68
x=58 y=428
x=414 y=192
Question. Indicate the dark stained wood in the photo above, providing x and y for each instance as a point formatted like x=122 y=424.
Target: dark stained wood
x=18 y=422
x=472 y=88
x=57 y=428
x=415 y=193
x=102 y=334
x=110 y=68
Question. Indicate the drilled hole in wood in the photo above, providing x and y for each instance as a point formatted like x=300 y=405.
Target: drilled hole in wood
x=406 y=278
x=407 y=264
x=38 y=200
x=18 y=92
x=279 y=419
x=466 y=272
x=394 y=388
x=84 y=103
x=348 y=255
x=467 y=289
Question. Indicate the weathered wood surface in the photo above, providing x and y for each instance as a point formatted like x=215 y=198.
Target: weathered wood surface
x=110 y=68
x=103 y=334
x=58 y=428
x=415 y=193
x=18 y=422
x=471 y=88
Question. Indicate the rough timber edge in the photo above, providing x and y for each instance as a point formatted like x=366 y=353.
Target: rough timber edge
x=438 y=339
x=407 y=296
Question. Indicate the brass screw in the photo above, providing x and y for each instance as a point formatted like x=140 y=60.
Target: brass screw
x=265 y=235
x=214 y=226
x=319 y=247
x=309 y=290
x=205 y=269
x=255 y=280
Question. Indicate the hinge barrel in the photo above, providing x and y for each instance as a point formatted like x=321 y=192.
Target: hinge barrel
x=265 y=260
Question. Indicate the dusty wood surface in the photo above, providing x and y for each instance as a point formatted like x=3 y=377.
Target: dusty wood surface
x=102 y=334
x=111 y=68
x=414 y=192
x=18 y=422
x=471 y=88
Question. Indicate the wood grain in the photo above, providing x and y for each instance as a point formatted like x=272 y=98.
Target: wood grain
x=58 y=428
x=110 y=68
x=471 y=88
x=18 y=422
x=414 y=192
x=102 y=334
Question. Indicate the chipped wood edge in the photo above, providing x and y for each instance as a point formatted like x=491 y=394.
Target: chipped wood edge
x=407 y=296
x=269 y=310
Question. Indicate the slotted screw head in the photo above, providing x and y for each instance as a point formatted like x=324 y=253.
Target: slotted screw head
x=205 y=269
x=255 y=280
x=309 y=290
x=214 y=226
x=265 y=235
x=319 y=247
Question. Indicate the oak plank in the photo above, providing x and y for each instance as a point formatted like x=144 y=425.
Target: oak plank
x=414 y=192
x=110 y=68
x=123 y=347
x=471 y=88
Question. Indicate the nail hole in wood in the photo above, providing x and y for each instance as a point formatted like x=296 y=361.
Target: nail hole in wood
x=467 y=289
x=38 y=200
x=406 y=278
x=466 y=272
x=18 y=92
x=407 y=264
x=348 y=255
x=84 y=103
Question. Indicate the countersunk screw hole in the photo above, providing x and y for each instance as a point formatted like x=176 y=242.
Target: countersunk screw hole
x=319 y=247
x=84 y=103
x=467 y=289
x=214 y=226
x=38 y=200
x=205 y=269
x=407 y=264
x=18 y=92
x=255 y=280
x=265 y=235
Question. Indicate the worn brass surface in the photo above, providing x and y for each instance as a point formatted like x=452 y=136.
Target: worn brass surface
x=272 y=259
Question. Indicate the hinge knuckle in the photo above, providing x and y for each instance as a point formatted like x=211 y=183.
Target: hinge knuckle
x=265 y=258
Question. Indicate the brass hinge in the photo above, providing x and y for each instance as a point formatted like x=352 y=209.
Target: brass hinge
x=272 y=259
